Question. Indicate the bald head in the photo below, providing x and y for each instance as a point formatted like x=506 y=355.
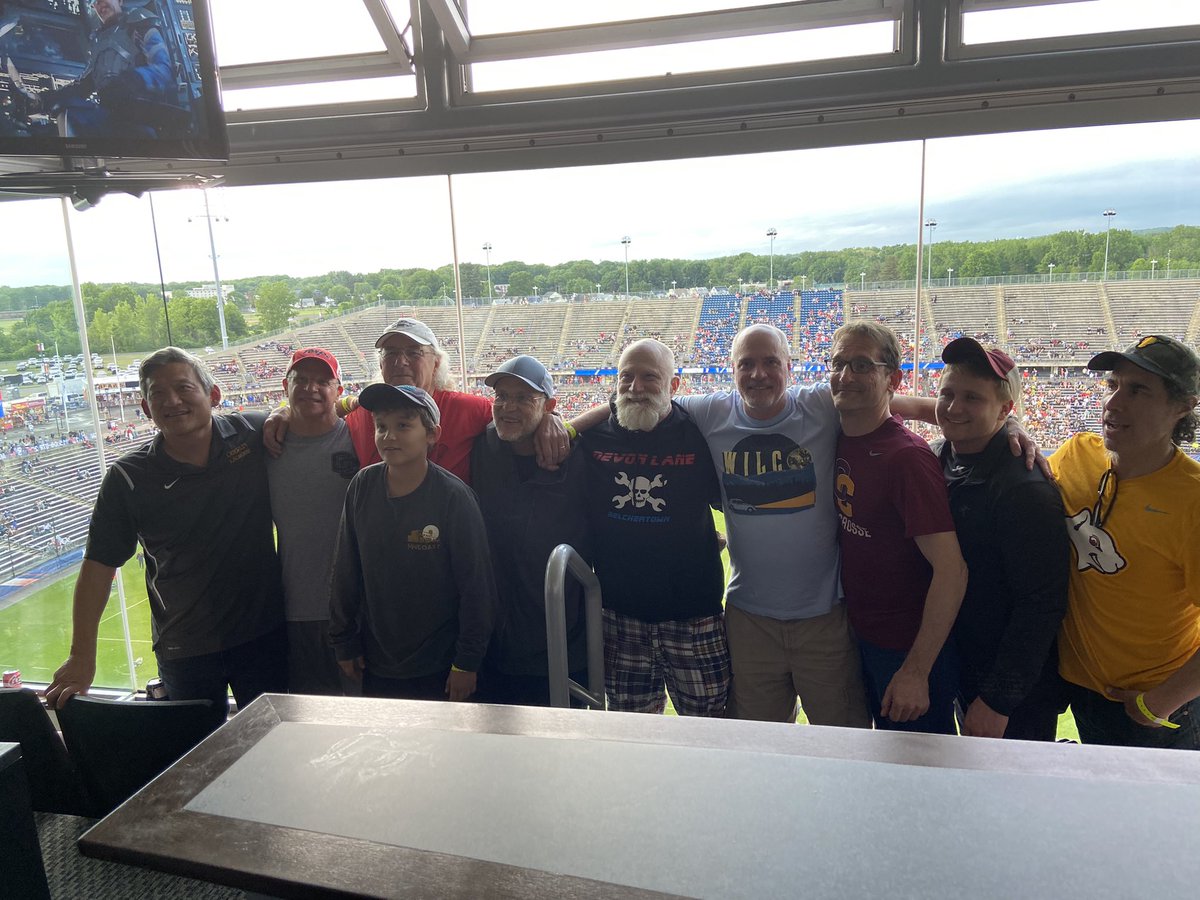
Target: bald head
x=646 y=381
x=762 y=335
x=762 y=368
x=648 y=350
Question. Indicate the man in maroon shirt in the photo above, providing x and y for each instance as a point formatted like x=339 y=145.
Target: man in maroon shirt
x=902 y=571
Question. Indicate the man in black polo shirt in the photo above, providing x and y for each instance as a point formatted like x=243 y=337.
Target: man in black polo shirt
x=196 y=499
x=649 y=484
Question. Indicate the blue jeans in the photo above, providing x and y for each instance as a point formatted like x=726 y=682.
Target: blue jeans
x=879 y=665
x=1104 y=721
x=256 y=667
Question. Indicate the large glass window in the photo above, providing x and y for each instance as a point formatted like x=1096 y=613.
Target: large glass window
x=569 y=264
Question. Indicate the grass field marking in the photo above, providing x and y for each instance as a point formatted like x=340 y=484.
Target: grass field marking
x=129 y=607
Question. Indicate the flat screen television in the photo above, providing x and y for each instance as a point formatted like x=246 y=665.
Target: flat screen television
x=104 y=79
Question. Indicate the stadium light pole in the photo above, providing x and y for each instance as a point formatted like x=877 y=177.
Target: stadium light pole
x=1050 y=266
x=1168 y=265
x=1153 y=266
x=212 y=243
x=862 y=281
x=949 y=277
x=1108 y=217
x=625 y=242
x=673 y=285
x=930 y=224
x=771 y=234
x=487 y=248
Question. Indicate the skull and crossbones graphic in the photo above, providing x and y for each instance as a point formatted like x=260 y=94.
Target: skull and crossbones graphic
x=639 y=492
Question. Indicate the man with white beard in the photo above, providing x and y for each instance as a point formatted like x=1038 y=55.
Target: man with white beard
x=649 y=488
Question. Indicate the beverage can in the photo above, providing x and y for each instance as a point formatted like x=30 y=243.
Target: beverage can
x=12 y=678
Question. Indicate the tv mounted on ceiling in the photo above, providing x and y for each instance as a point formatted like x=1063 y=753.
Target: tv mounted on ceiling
x=99 y=79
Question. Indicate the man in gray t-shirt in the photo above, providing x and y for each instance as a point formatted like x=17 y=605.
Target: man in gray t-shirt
x=308 y=489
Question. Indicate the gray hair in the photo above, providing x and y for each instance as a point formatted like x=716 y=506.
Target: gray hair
x=165 y=357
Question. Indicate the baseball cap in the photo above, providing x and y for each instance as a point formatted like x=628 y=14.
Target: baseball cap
x=528 y=369
x=317 y=353
x=965 y=349
x=376 y=397
x=413 y=328
x=1161 y=355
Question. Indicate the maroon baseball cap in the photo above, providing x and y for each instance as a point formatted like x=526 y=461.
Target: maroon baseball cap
x=965 y=349
x=317 y=353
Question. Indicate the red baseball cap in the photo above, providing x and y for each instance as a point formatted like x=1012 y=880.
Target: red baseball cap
x=317 y=353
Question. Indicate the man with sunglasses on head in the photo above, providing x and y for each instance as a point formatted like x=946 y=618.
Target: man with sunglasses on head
x=1129 y=648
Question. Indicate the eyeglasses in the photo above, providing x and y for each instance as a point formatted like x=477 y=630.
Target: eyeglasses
x=503 y=399
x=410 y=354
x=860 y=365
x=1099 y=513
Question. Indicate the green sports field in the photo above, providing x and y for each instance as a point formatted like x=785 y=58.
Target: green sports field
x=35 y=634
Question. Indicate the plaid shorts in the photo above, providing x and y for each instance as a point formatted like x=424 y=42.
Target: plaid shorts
x=644 y=660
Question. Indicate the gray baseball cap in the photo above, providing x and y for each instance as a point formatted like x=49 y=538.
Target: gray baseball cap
x=376 y=397
x=413 y=328
x=528 y=369
x=1163 y=356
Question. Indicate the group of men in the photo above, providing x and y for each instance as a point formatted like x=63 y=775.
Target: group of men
x=873 y=579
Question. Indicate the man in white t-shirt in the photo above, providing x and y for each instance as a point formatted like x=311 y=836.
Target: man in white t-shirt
x=774 y=446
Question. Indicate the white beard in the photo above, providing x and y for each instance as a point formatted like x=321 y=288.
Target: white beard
x=642 y=416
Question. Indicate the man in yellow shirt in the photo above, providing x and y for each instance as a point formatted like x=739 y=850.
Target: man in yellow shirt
x=1130 y=644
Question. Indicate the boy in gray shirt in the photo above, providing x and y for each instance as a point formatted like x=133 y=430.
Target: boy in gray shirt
x=412 y=591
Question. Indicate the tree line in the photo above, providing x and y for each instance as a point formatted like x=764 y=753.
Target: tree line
x=132 y=316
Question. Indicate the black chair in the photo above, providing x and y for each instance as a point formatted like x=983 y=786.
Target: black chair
x=121 y=746
x=54 y=782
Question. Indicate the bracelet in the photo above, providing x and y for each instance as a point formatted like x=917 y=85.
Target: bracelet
x=571 y=432
x=454 y=668
x=345 y=401
x=1157 y=720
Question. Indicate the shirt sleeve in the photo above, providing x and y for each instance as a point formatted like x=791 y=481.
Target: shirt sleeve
x=471 y=564
x=919 y=493
x=112 y=536
x=346 y=584
x=1036 y=555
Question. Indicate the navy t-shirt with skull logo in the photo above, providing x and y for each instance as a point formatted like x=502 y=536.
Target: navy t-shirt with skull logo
x=649 y=495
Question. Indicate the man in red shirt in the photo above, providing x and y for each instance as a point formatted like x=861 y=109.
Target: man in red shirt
x=409 y=354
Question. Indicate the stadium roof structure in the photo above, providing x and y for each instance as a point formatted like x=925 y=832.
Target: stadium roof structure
x=445 y=100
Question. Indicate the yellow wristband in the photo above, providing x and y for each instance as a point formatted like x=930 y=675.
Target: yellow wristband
x=454 y=668
x=571 y=432
x=1157 y=720
x=345 y=401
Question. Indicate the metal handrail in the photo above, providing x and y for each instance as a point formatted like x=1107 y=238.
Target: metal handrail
x=565 y=560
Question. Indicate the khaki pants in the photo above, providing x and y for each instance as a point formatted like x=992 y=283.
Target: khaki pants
x=774 y=660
